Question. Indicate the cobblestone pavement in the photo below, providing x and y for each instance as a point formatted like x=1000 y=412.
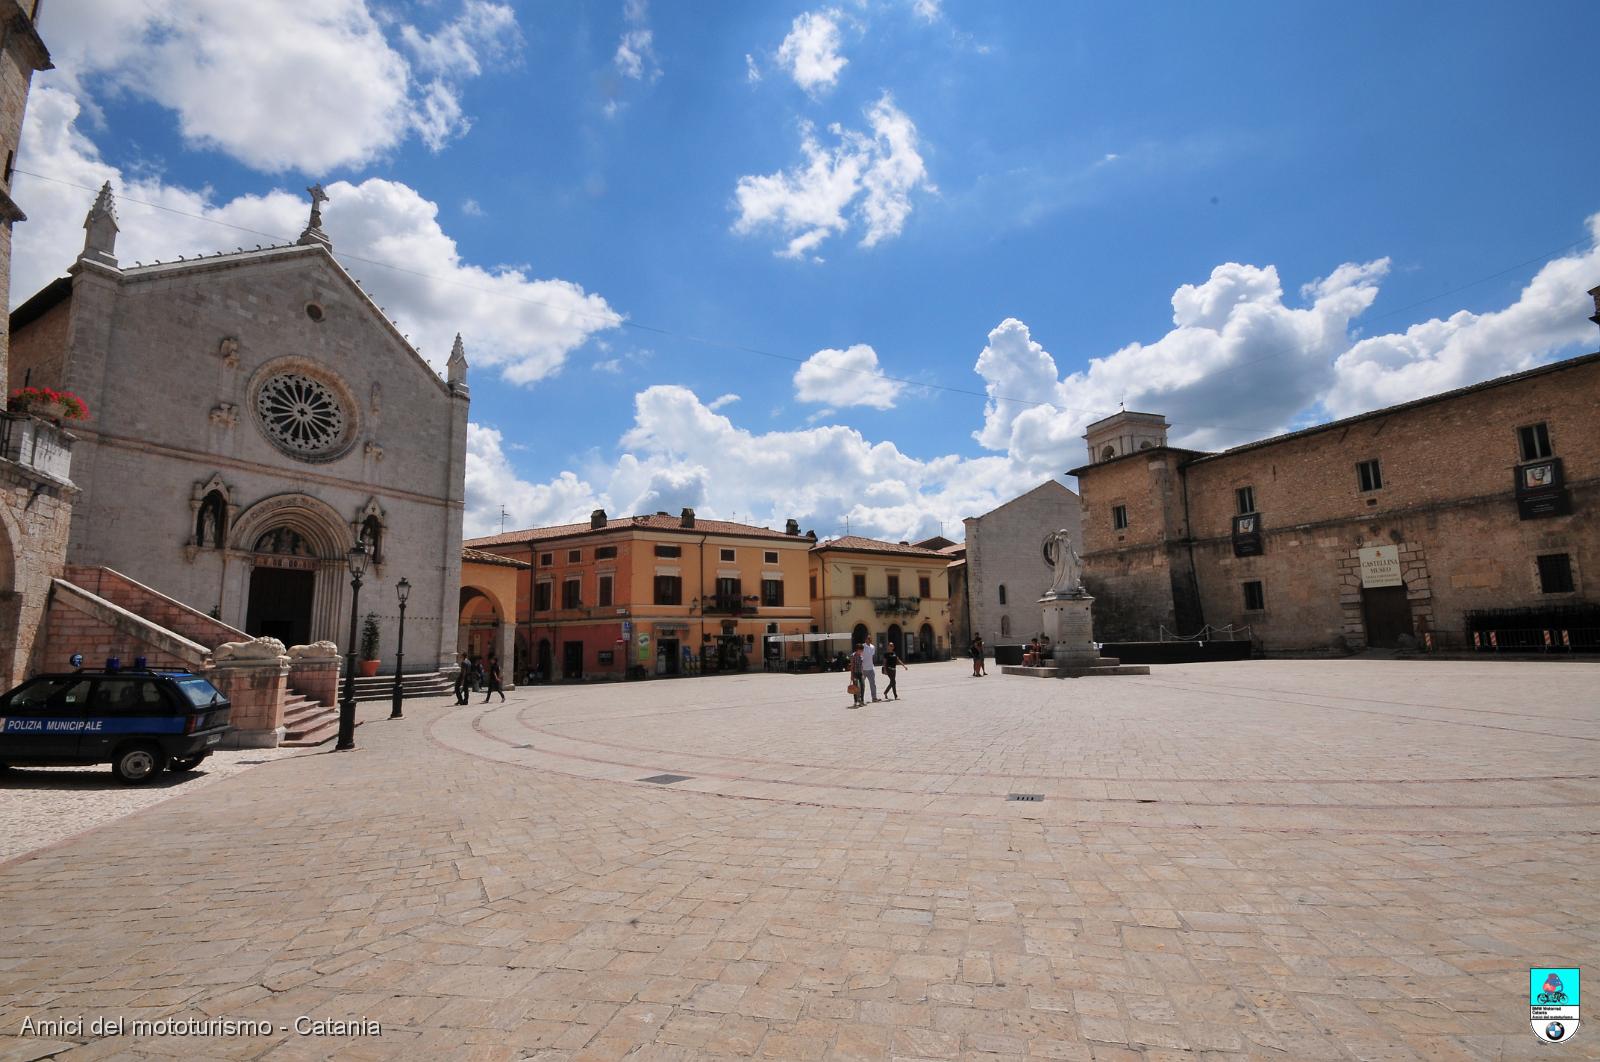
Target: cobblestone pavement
x=40 y=806
x=1288 y=860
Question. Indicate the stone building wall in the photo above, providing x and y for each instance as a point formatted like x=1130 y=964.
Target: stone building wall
x=35 y=515
x=1447 y=503
x=1005 y=548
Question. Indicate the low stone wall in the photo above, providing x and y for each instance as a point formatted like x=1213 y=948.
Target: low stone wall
x=78 y=621
x=314 y=671
x=256 y=688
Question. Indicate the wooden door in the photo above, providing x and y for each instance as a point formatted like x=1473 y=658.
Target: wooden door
x=1387 y=614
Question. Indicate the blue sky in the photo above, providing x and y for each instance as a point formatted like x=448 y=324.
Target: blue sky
x=1247 y=216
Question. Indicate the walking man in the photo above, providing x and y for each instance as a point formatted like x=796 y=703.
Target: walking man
x=855 y=676
x=891 y=661
x=869 y=654
x=463 y=679
x=492 y=673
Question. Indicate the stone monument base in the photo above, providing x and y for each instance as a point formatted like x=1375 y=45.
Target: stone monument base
x=1069 y=625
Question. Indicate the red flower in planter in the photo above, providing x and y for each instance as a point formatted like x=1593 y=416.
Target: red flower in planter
x=48 y=401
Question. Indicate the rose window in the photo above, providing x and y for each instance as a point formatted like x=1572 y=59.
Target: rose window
x=302 y=415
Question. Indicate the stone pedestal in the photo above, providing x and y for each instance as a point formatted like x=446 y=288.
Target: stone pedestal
x=1069 y=624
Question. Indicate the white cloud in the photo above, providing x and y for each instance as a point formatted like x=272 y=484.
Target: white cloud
x=927 y=10
x=810 y=52
x=850 y=377
x=492 y=482
x=722 y=400
x=752 y=72
x=310 y=87
x=636 y=54
x=523 y=326
x=1240 y=364
x=471 y=208
x=871 y=176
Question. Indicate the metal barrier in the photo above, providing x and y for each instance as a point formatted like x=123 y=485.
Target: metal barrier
x=1209 y=633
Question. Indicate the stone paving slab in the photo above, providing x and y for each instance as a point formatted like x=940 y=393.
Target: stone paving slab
x=1340 y=860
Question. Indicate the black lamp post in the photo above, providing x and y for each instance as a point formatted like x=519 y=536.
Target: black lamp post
x=402 y=590
x=347 y=706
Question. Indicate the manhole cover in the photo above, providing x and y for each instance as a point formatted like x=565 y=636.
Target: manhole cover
x=1030 y=797
x=665 y=779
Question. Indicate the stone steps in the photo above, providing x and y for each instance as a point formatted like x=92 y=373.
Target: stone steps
x=412 y=684
x=306 y=723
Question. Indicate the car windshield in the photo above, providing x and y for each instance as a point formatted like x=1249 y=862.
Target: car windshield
x=199 y=692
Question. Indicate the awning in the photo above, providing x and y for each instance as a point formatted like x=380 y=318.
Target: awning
x=808 y=637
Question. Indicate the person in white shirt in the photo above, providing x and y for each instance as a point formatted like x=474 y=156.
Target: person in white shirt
x=868 y=656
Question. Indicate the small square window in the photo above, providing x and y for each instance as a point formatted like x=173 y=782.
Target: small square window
x=1555 y=574
x=1255 y=600
x=1119 y=517
x=1535 y=440
x=1370 y=475
x=770 y=557
x=725 y=554
x=574 y=556
x=1246 y=498
x=546 y=559
x=605 y=553
x=668 y=551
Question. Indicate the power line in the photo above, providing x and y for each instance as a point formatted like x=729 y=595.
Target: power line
x=618 y=320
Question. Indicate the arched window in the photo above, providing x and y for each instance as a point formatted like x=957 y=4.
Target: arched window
x=1108 y=453
x=1002 y=593
x=1005 y=626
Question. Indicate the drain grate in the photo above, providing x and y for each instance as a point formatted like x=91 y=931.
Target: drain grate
x=1028 y=797
x=665 y=779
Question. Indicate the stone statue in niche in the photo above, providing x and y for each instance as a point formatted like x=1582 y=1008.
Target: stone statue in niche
x=228 y=349
x=209 y=526
x=284 y=543
x=372 y=537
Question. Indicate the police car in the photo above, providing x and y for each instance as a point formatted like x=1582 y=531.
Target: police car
x=138 y=721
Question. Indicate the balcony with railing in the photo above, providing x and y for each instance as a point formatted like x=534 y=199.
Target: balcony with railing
x=38 y=446
x=895 y=605
x=730 y=604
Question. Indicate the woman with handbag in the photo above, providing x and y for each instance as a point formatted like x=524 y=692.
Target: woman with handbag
x=857 y=690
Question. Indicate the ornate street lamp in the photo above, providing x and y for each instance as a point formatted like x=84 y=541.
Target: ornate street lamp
x=357 y=558
x=402 y=590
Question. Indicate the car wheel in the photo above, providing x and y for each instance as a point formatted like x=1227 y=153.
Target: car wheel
x=136 y=764
x=180 y=764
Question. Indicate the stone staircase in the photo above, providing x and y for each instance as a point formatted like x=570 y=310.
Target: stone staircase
x=305 y=722
x=412 y=684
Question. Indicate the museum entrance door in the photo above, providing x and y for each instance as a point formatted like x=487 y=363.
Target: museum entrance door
x=280 y=604
x=1387 y=614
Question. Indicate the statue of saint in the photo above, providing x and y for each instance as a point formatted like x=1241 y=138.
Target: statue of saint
x=208 y=526
x=1067 y=565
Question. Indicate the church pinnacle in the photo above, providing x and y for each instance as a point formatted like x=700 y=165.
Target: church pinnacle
x=313 y=232
x=100 y=230
x=456 y=367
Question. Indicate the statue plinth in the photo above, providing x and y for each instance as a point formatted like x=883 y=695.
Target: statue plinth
x=1069 y=622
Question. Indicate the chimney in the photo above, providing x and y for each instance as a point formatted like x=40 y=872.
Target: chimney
x=792 y=527
x=812 y=535
x=597 y=519
x=903 y=542
x=1596 y=293
x=687 y=518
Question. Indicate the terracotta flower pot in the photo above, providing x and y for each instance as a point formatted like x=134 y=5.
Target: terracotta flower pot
x=369 y=668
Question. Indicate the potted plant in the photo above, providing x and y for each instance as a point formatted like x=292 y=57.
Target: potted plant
x=47 y=403
x=369 y=645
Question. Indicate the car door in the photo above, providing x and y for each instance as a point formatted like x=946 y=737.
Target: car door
x=43 y=721
x=127 y=706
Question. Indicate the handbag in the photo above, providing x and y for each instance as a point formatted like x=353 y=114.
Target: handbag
x=852 y=689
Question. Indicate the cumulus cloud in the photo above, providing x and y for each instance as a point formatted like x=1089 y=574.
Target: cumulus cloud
x=865 y=179
x=636 y=54
x=524 y=326
x=492 y=482
x=927 y=10
x=309 y=87
x=810 y=52
x=1241 y=363
x=850 y=377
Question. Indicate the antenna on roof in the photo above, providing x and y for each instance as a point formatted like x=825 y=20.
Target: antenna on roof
x=503 y=519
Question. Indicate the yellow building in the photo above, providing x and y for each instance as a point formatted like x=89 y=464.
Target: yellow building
x=898 y=592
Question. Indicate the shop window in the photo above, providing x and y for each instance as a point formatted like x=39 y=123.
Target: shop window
x=668 y=551
x=1370 y=475
x=669 y=589
x=1255 y=600
x=1246 y=497
x=1535 y=440
x=1119 y=517
x=772 y=592
x=858 y=584
x=924 y=586
x=1555 y=574
x=605 y=592
x=569 y=594
x=541 y=596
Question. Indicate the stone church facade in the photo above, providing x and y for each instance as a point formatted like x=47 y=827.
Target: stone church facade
x=253 y=415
